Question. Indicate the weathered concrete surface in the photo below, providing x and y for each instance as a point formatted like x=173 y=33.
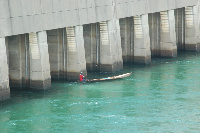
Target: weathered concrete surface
x=103 y=46
x=15 y=53
x=18 y=61
x=154 y=32
x=20 y=16
x=168 y=46
x=76 y=61
x=142 y=53
x=127 y=36
x=192 y=25
x=40 y=78
x=4 y=81
x=57 y=44
x=91 y=43
x=162 y=34
x=110 y=46
x=180 y=28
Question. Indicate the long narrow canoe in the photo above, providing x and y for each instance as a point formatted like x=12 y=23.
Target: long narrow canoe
x=110 y=78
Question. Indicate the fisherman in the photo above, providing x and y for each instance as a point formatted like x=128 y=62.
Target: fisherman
x=81 y=77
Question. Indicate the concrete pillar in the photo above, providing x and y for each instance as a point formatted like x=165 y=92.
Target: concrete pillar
x=142 y=52
x=192 y=33
x=17 y=61
x=127 y=32
x=91 y=43
x=180 y=28
x=57 y=52
x=15 y=64
x=4 y=82
x=154 y=32
x=40 y=78
x=75 y=52
x=110 y=46
x=168 y=46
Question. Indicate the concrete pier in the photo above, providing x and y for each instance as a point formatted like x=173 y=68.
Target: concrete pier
x=57 y=52
x=18 y=61
x=180 y=28
x=127 y=39
x=40 y=78
x=15 y=60
x=154 y=32
x=91 y=43
x=168 y=46
x=142 y=53
x=103 y=45
x=4 y=81
x=162 y=34
x=192 y=33
x=76 y=61
x=110 y=46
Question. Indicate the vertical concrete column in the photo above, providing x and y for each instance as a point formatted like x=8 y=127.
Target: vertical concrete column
x=4 y=81
x=57 y=52
x=15 y=62
x=110 y=46
x=18 y=61
x=168 y=46
x=180 y=28
x=75 y=52
x=154 y=32
x=115 y=42
x=127 y=32
x=39 y=61
x=91 y=43
x=142 y=52
x=192 y=22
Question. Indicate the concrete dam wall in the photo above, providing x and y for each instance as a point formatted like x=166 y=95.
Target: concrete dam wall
x=42 y=40
x=26 y=16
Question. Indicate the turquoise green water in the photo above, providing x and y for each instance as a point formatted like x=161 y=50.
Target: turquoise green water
x=161 y=97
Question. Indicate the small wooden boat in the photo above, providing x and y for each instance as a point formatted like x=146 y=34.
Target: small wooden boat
x=109 y=78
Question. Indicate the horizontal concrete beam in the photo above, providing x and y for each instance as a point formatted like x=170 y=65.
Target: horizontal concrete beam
x=26 y=16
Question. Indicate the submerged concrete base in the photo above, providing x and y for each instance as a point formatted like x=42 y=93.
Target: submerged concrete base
x=4 y=93
x=40 y=85
x=155 y=53
x=142 y=59
x=168 y=53
x=192 y=47
x=116 y=66
x=57 y=75
x=128 y=58
x=92 y=67
x=15 y=83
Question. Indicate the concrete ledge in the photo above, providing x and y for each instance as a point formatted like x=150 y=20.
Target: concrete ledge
x=192 y=47
x=142 y=59
x=4 y=94
x=168 y=53
x=40 y=85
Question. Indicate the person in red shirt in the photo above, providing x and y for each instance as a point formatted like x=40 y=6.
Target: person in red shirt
x=81 y=77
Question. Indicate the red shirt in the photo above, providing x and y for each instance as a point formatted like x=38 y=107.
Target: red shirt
x=81 y=77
